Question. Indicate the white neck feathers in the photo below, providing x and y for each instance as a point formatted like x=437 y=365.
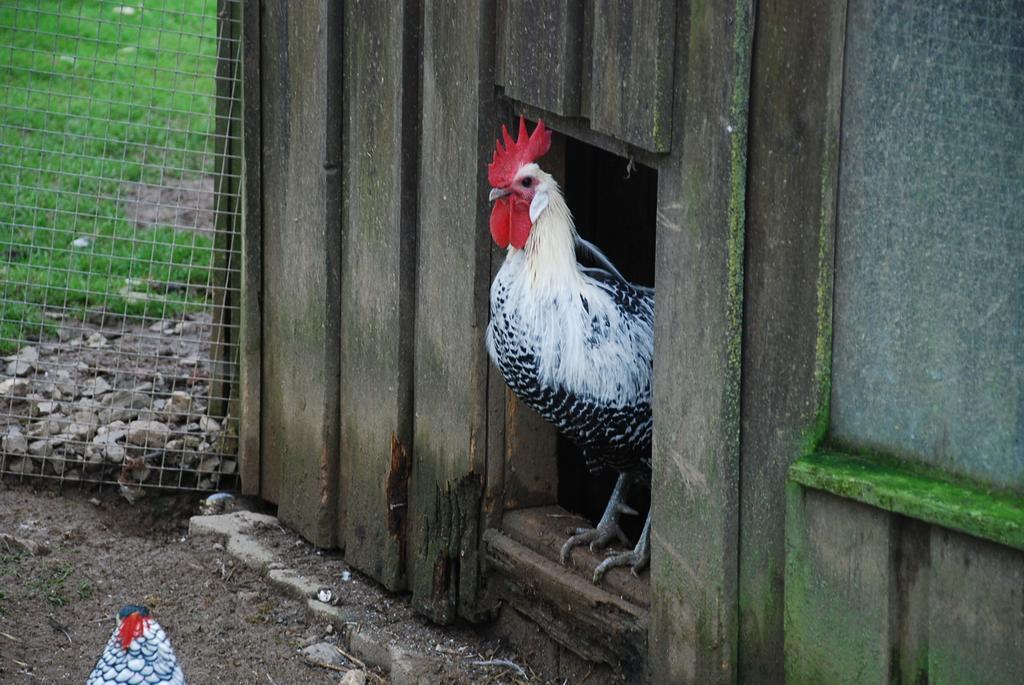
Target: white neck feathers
x=581 y=339
x=550 y=251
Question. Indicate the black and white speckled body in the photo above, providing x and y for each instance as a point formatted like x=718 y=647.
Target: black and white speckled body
x=576 y=344
x=148 y=660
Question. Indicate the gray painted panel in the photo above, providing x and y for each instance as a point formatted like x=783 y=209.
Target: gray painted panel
x=929 y=298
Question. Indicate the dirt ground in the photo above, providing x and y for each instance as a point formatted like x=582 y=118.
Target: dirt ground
x=227 y=624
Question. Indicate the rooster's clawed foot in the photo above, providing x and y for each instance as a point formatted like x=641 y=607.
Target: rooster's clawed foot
x=607 y=529
x=598 y=538
x=638 y=558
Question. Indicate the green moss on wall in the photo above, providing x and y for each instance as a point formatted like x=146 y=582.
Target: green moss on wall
x=918 y=492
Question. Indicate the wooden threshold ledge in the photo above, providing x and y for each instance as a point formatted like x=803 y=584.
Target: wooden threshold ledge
x=589 y=620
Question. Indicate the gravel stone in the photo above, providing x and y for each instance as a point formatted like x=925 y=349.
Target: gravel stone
x=148 y=433
x=24 y=362
x=22 y=466
x=15 y=443
x=323 y=653
x=94 y=387
x=178 y=405
x=43 y=448
x=14 y=387
x=208 y=425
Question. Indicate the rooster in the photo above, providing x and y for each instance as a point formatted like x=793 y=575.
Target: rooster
x=138 y=652
x=573 y=342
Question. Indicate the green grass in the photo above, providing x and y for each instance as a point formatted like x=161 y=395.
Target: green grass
x=94 y=98
x=49 y=581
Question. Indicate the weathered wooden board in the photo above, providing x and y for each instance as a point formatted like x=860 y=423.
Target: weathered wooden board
x=453 y=269
x=542 y=54
x=377 y=281
x=301 y=58
x=911 y=564
x=591 y=621
x=545 y=529
x=229 y=440
x=976 y=611
x=631 y=75
x=792 y=169
x=874 y=595
x=250 y=326
x=699 y=273
x=224 y=266
x=273 y=157
x=559 y=663
x=225 y=274
x=839 y=588
x=529 y=464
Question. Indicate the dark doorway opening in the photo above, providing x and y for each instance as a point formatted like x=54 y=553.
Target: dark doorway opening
x=614 y=203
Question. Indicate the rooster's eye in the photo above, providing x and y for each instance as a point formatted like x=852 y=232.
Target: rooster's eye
x=527 y=182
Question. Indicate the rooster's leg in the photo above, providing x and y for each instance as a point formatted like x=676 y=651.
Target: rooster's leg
x=638 y=558
x=608 y=527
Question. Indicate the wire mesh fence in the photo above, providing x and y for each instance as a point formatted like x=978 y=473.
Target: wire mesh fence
x=118 y=257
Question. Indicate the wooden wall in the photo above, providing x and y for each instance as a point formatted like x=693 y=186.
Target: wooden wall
x=698 y=316
x=453 y=276
x=373 y=419
x=301 y=255
x=790 y=233
x=380 y=146
x=873 y=596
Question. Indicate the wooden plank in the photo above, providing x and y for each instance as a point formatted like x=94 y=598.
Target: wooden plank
x=450 y=430
x=501 y=30
x=531 y=463
x=790 y=235
x=522 y=466
x=542 y=53
x=699 y=267
x=274 y=97
x=226 y=241
x=546 y=655
x=544 y=530
x=589 y=620
x=912 y=569
x=250 y=326
x=976 y=611
x=377 y=281
x=839 y=589
x=229 y=441
x=301 y=93
x=631 y=75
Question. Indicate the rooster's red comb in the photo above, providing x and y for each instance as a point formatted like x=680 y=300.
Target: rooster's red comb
x=527 y=148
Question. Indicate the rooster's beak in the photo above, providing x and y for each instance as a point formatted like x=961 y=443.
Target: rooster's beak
x=496 y=193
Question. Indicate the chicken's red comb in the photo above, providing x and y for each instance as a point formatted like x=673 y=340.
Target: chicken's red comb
x=527 y=148
x=132 y=626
